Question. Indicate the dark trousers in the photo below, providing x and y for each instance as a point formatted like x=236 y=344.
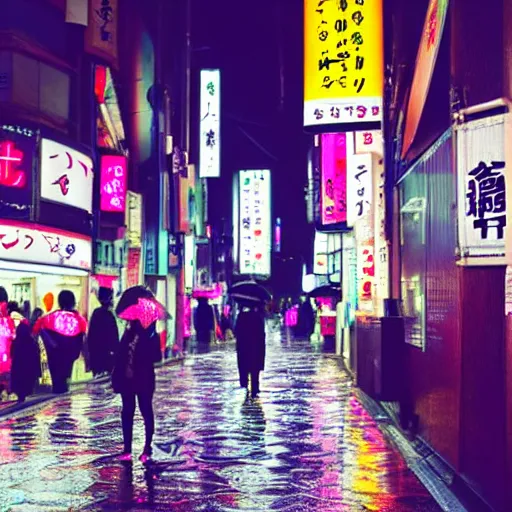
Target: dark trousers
x=255 y=380
x=146 y=410
x=60 y=364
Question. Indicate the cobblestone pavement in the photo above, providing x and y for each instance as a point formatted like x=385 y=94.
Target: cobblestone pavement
x=306 y=444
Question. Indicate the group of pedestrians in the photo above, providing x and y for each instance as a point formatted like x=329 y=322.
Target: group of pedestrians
x=130 y=360
x=62 y=333
x=207 y=325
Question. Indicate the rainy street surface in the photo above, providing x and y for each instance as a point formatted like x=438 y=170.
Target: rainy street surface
x=306 y=444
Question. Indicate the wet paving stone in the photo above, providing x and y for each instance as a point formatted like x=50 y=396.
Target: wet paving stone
x=305 y=445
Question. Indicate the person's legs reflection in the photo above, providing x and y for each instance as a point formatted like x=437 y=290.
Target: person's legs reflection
x=126 y=483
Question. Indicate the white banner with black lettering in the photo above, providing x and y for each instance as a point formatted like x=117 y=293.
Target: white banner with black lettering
x=359 y=186
x=481 y=182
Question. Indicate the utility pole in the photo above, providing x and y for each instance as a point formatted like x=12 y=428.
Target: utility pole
x=185 y=141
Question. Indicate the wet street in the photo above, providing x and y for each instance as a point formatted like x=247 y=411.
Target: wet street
x=305 y=445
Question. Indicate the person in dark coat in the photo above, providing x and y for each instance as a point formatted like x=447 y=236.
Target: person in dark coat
x=26 y=361
x=306 y=323
x=63 y=333
x=134 y=378
x=204 y=321
x=250 y=346
x=103 y=335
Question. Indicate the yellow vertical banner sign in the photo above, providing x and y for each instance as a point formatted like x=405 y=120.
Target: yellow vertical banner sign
x=101 y=33
x=343 y=63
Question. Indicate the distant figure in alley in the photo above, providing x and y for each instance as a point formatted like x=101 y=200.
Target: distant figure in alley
x=250 y=345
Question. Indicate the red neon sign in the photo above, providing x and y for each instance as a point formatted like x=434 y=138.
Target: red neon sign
x=10 y=160
x=113 y=183
x=100 y=83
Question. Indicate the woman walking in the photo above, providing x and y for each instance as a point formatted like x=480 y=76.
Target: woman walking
x=250 y=346
x=134 y=378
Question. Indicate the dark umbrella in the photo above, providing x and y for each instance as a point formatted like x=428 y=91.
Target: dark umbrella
x=249 y=291
x=326 y=291
x=139 y=303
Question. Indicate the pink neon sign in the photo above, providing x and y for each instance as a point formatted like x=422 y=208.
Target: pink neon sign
x=10 y=160
x=113 y=183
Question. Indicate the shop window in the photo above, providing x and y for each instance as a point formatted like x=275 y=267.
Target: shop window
x=413 y=217
x=54 y=91
x=38 y=86
x=25 y=81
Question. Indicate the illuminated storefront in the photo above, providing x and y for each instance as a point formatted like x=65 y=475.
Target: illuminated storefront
x=38 y=262
x=47 y=249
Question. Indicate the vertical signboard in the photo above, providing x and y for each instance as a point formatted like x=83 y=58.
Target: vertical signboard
x=366 y=273
x=133 y=267
x=113 y=183
x=379 y=222
x=17 y=151
x=343 y=62
x=277 y=235
x=481 y=178
x=320 y=250
x=101 y=31
x=334 y=178
x=134 y=219
x=187 y=200
x=359 y=187
x=235 y=192
x=316 y=192
x=255 y=229
x=189 y=263
x=66 y=175
x=209 y=124
x=425 y=62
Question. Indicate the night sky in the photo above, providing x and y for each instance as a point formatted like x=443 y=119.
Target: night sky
x=251 y=42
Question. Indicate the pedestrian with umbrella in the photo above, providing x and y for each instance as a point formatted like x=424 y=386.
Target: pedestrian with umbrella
x=134 y=374
x=250 y=332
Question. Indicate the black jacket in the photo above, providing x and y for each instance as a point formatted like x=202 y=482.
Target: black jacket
x=102 y=340
x=134 y=370
x=250 y=340
x=26 y=361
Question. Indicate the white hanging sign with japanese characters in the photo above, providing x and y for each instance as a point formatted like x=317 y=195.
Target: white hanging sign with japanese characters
x=66 y=175
x=209 y=124
x=359 y=187
x=31 y=243
x=255 y=222
x=481 y=176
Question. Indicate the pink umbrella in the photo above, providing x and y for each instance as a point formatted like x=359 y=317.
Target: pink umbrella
x=146 y=310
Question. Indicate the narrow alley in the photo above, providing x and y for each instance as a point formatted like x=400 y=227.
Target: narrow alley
x=306 y=444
